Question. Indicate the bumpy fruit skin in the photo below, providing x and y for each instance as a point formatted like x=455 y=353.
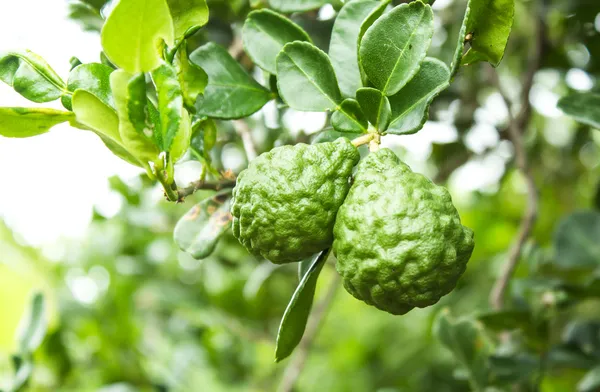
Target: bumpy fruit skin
x=284 y=204
x=398 y=241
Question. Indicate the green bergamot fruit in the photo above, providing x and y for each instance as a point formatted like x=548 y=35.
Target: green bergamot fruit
x=284 y=204
x=398 y=238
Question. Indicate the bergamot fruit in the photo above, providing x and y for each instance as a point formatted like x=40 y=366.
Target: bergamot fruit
x=399 y=241
x=284 y=204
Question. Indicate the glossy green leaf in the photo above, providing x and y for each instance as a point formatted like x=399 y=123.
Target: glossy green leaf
x=576 y=241
x=140 y=145
x=591 y=381
x=296 y=314
x=200 y=229
x=304 y=266
x=204 y=137
x=93 y=78
x=376 y=107
x=137 y=105
x=394 y=46
x=31 y=76
x=330 y=135
x=349 y=117
x=350 y=25
x=583 y=107
x=469 y=345
x=231 y=92
x=35 y=325
x=103 y=121
x=489 y=23
x=134 y=33
x=27 y=122
x=181 y=142
x=306 y=79
x=170 y=102
x=193 y=79
x=188 y=15
x=265 y=33
x=296 y=5
x=410 y=107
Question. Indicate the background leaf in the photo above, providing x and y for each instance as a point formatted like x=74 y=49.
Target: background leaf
x=35 y=325
x=27 y=122
x=93 y=78
x=265 y=33
x=576 y=241
x=31 y=76
x=306 y=79
x=231 y=92
x=296 y=314
x=188 y=15
x=394 y=46
x=410 y=107
x=354 y=17
x=296 y=5
x=583 y=107
x=376 y=107
x=133 y=32
x=199 y=231
x=591 y=381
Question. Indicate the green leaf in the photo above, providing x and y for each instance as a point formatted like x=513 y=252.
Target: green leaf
x=93 y=78
x=103 y=121
x=170 y=102
x=591 y=381
x=181 y=142
x=31 y=76
x=467 y=341
x=140 y=145
x=304 y=266
x=137 y=105
x=231 y=93
x=350 y=25
x=36 y=324
x=576 y=241
x=349 y=117
x=27 y=122
x=306 y=79
x=200 y=229
x=296 y=5
x=188 y=15
x=193 y=79
x=506 y=320
x=296 y=314
x=489 y=23
x=330 y=135
x=410 y=107
x=394 y=46
x=265 y=33
x=23 y=372
x=376 y=107
x=204 y=137
x=513 y=368
x=583 y=107
x=135 y=32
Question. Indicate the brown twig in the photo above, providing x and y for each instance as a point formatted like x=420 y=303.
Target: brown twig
x=293 y=370
x=243 y=130
x=516 y=128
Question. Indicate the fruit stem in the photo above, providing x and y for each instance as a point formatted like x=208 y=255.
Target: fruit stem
x=364 y=139
x=375 y=142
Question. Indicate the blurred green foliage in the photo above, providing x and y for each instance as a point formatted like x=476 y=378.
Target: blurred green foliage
x=127 y=311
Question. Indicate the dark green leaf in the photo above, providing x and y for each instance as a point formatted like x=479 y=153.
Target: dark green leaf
x=376 y=107
x=93 y=78
x=193 y=79
x=354 y=18
x=306 y=79
x=88 y=17
x=394 y=46
x=590 y=382
x=26 y=122
x=296 y=5
x=583 y=107
x=329 y=135
x=265 y=33
x=513 y=368
x=204 y=137
x=410 y=107
x=170 y=102
x=231 y=92
x=488 y=22
x=467 y=341
x=296 y=314
x=35 y=324
x=31 y=76
x=349 y=117
x=199 y=231
x=576 y=241
x=188 y=15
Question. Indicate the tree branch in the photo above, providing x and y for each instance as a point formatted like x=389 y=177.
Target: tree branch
x=294 y=369
x=182 y=193
x=516 y=128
